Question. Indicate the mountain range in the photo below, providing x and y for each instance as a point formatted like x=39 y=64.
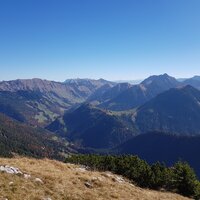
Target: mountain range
x=39 y=102
x=176 y=110
x=136 y=95
x=100 y=116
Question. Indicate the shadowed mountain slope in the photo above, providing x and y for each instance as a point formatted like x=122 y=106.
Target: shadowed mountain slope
x=163 y=147
x=92 y=127
x=176 y=110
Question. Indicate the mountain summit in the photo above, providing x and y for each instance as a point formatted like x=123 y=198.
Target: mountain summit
x=139 y=94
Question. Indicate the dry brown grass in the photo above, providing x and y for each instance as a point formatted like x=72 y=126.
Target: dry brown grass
x=66 y=182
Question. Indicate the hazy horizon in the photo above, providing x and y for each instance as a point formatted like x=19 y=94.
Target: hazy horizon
x=90 y=78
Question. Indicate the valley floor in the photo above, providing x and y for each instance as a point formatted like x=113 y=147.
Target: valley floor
x=52 y=180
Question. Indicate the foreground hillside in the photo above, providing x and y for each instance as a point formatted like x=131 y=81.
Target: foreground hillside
x=53 y=180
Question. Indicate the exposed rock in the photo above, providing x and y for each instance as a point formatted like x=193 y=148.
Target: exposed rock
x=46 y=198
x=119 y=179
x=97 y=178
x=81 y=169
x=10 y=170
x=27 y=176
x=107 y=174
x=38 y=180
x=11 y=183
x=115 y=178
x=88 y=184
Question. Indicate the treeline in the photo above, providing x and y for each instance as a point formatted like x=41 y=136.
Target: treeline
x=179 y=178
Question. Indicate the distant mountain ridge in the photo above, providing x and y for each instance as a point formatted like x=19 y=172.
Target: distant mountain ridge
x=42 y=101
x=39 y=102
x=73 y=90
x=45 y=100
x=194 y=81
x=137 y=95
x=108 y=93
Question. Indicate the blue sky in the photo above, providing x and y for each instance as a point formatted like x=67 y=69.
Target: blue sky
x=111 y=39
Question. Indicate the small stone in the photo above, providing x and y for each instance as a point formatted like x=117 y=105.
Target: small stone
x=10 y=170
x=27 y=176
x=119 y=179
x=38 y=180
x=96 y=178
x=88 y=185
x=46 y=198
x=81 y=169
x=108 y=175
x=99 y=179
x=11 y=183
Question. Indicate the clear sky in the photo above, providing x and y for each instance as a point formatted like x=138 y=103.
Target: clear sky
x=111 y=39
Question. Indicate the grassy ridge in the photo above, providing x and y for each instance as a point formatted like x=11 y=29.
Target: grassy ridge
x=180 y=178
x=62 y=181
